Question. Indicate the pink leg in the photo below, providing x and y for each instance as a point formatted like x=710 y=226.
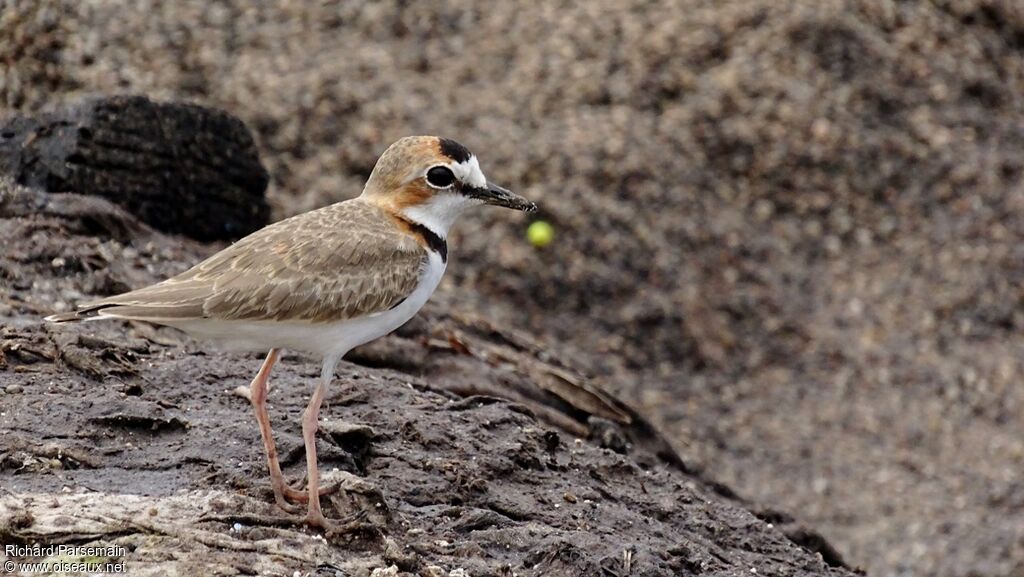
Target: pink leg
x=314 y=515
x=258 y=391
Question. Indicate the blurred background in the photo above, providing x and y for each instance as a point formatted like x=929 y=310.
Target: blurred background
x=789 y=232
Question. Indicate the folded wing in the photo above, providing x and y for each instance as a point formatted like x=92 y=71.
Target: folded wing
x=340 y=262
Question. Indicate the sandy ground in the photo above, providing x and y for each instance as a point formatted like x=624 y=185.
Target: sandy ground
x=789 y=232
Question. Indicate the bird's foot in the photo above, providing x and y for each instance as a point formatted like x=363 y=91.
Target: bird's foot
x=281 y=498
x=302 y=496
x=348 y=524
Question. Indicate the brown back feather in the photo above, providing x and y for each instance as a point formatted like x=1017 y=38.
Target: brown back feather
x=340 y=262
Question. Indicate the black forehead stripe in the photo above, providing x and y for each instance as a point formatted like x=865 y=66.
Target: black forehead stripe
x=454 y=150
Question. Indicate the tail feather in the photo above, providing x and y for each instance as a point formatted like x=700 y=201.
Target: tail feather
x=63 y=317
x=160 y=314
x=164 y=302
x=82 y=314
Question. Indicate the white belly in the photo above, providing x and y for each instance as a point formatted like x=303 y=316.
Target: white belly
x=331 y=339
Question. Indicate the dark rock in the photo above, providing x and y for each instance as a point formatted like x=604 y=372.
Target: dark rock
x=179 y=167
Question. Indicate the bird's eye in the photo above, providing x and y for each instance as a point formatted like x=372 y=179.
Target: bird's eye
x=440 y=177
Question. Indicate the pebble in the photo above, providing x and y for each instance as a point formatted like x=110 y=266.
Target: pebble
x=14 y=389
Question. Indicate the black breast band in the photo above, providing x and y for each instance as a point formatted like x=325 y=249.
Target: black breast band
x=434 y=242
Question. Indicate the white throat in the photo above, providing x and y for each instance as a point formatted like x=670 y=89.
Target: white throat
x=440 y=212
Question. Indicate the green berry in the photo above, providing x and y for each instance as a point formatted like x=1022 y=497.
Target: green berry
x=540 y=233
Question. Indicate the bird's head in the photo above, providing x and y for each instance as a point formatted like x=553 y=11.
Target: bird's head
x=432 y=180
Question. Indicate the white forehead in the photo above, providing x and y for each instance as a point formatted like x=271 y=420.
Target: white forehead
x=468 y=171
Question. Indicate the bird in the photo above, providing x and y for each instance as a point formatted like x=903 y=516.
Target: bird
x=322 y=282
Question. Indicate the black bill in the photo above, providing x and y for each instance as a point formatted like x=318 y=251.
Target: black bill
x=498 y=196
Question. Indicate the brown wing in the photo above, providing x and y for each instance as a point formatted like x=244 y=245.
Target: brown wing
x=343 y=261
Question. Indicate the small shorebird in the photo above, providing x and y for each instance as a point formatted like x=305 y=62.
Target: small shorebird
x=324 y=281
